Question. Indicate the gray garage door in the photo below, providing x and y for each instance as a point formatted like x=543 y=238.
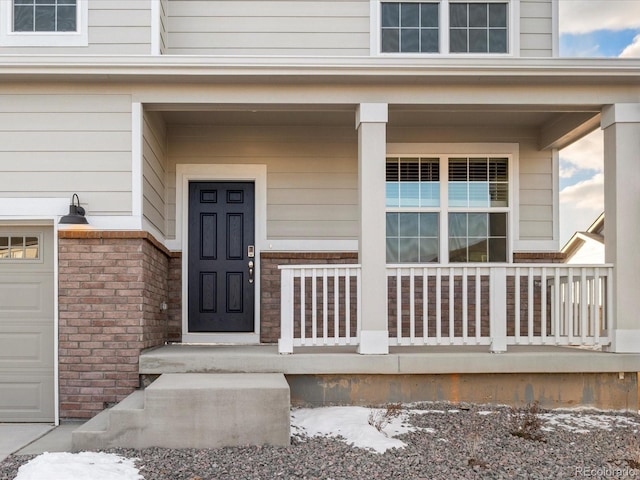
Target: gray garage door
x=26 y=324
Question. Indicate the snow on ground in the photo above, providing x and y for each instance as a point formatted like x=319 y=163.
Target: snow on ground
x=583 y=422
x=79 y=466
x=352 y=424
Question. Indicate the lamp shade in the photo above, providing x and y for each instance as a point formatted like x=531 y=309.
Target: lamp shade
x=76 y=213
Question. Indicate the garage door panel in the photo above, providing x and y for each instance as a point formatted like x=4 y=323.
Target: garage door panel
x=27 y=331
x=26 y=296
x=26 y=347
x=26 y=398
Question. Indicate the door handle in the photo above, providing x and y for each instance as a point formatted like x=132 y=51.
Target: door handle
x=250 y=271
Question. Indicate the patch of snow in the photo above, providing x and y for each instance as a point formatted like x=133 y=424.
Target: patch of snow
x=79 y=466
x=352 y=425
x=486 y=412
x=586 y=422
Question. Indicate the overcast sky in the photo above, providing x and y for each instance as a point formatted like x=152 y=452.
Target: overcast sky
x=591 y=28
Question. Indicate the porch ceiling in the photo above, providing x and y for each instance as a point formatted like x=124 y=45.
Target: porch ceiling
x=557 y=126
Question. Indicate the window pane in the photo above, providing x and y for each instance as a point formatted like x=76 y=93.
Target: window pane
x=429 y=15
x=499 y=193
x=457 y=249
x=390 y=40
x=393 y=194
x=392 y=250
x=458 y=170
x=392 y=224
x=477 y=225
x=408 y=251
x=478 y=250
x=458 y=15
x=458 y=194
x=390 y=15
x=478 y=41
x=392 y=173
x=66 y=19
x=498 y=169
x=4 y=247
x=410 y=40
x=31 y=247
x=409 y=194
x=457 y=225
x=478 y=194
x=23 y=2
x=498 y=224
x=409 y=170
x=23 y=19
x=428 y=250
x=478 y=170
x=17 y=247
x=457 y=41
x=429 y=169
x=428 y=225
x=408 y=224
x=429 y=41
x=497 y=249
x=45 y=19
x=409 y=15
x=498 y=41
x=497 y=14
x=477 y=14
x=429 y=194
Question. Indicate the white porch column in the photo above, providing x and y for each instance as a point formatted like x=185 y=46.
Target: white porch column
x=621 y=125
x=371 y=123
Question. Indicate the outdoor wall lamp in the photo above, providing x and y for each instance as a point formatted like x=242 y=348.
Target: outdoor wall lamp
x=76 y=213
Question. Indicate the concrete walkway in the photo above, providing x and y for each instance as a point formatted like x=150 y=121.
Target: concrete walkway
x=35 y=438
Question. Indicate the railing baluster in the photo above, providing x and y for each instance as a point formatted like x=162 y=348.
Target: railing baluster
x=412 y=306
x=347 y=304
x=569 y=305
x=438 y=305
x=425 y=305
x=359 y=302
x=336 y=306
x=465 y=306
x=399 y=305
x=478 y=304
x=325 y=308
x=543 y=305
x=556 y=321
x=596 y=306
x=530 y=300
x=314 y=306
x=517 y=305
x=609 y=301
x=452 y=309
x=583 y=307
x=302 y=306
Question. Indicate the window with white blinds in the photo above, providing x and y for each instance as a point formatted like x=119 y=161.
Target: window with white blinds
x=466 y=199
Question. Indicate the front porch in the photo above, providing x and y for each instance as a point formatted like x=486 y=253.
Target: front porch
x=469 y=305
x=555 y=376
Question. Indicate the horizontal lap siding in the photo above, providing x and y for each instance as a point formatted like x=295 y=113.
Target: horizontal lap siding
x=120 y=27
x=269 y=27
x=312 y=179
x=535 y=168
x=154 y=171
x=54 y=145
x=536 y=28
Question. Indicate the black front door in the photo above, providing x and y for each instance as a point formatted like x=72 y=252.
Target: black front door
x=221 y=264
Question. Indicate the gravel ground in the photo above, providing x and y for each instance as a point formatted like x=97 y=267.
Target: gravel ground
x=450 y=442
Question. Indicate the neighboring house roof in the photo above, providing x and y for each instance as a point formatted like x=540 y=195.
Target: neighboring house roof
x=592 y=239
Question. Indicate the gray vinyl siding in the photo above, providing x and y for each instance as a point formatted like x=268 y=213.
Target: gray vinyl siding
x=154 y=171
x=312 y=173
x=54 y=145
x=536 y=28
x=327 y=27
x=535 y=168
x=164 y=27
x=120 y=27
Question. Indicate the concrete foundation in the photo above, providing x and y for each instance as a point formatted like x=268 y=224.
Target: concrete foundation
x=195 y=410
x=617 y=391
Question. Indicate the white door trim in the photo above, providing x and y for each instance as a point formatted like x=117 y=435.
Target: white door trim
x=186 y=173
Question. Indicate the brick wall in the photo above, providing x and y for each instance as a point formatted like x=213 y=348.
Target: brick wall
x=111 y=285
x=539 y=257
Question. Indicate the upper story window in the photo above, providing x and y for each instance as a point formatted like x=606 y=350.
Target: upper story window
x=444 y=26
x=44 y=23
x=44 y=15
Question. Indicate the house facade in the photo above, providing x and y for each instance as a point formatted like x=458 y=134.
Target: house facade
x=363 y=173
x=587 y=246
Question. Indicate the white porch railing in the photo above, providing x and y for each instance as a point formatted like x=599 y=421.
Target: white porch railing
x=518 y=304
x=319 y=305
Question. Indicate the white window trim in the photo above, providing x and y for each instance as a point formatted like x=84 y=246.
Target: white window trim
x=79 y=38
x=513 y=48
x=445 y=150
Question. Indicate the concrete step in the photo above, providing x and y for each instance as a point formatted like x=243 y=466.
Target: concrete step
x=195 y=410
